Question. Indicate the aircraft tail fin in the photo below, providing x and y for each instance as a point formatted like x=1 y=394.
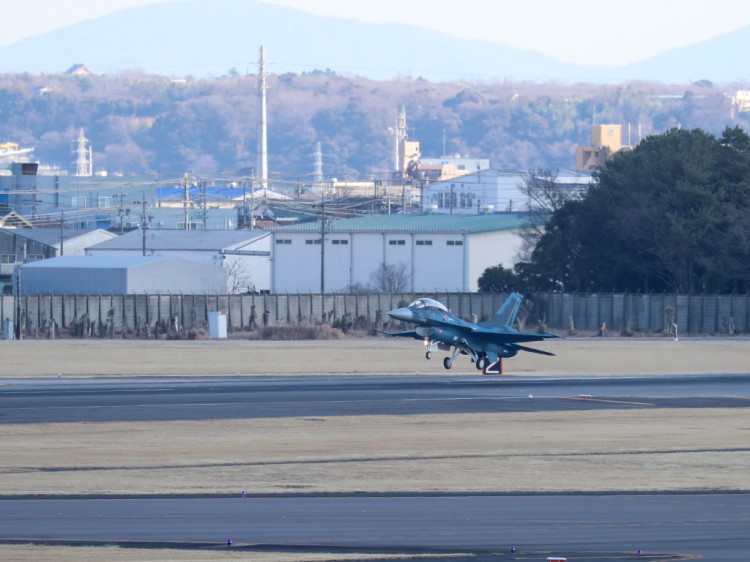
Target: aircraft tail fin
x=506 y=314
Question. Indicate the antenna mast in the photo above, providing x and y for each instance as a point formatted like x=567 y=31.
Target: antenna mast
x=262 y=124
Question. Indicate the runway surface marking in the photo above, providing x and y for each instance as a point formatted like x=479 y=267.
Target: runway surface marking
x=608 y=401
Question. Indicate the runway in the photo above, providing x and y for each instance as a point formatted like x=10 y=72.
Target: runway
x=164 y=399
x=712 y=526
x=579 y=527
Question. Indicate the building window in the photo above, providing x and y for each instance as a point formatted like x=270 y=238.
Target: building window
x=313 y=241
x=79 y=202
x=35 y=257
x=455 y=242
x=8 y=258
x=105 y=202
x=283 y=240
x=424 y=242
x=338 y=241
x=191 y=226
x=397 y=242
x=467 y=200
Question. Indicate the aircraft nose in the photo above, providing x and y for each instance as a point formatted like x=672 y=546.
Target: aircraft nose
x=401 y=314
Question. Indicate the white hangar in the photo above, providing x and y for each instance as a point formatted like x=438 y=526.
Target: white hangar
x=110 y=275
x=438 y=252
x=244 y=254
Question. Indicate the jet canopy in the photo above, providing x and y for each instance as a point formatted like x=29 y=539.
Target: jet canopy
x=428 y=303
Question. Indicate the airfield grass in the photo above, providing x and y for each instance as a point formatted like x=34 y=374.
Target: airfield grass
x=18 y=553
x=605 y=450
x=360 y=356
x=639 y=449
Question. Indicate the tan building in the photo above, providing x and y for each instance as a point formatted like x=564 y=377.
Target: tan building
x=606 y=140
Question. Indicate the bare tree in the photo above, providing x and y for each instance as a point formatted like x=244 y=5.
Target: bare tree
x=391 y=278
x=239 y=279
x=545 y=196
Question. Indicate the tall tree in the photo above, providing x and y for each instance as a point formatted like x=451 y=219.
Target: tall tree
x=672 y=214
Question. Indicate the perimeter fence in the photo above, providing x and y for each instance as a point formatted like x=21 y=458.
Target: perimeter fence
x=160 y=316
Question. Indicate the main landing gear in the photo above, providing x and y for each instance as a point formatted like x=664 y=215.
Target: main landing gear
x=482 y=362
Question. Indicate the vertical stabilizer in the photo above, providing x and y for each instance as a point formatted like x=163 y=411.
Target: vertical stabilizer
x=506 y=314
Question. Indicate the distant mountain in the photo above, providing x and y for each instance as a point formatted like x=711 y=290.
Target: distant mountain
x=206 y=38
x=209 y=37
x=720 y=59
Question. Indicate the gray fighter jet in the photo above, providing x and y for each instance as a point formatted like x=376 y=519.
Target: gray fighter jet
x=486 y=343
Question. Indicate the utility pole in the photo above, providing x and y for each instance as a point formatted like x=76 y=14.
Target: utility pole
x=17 y=308
x=262 y=148
x=144 y=223
x=185 y=202
x=121 y=210
x=323 y=249
x=252 y=200
x=62 y=238
x=204 y=202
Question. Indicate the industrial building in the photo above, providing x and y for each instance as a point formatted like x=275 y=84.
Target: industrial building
x=245 y=255
x=110 y=275
x=491 y=191
x=606 y=141
x=437 y=252
x=23 y=245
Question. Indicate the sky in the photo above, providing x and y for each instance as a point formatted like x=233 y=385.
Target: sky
x=590 y=32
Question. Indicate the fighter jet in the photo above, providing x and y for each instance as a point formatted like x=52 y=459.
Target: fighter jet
x=486 y=343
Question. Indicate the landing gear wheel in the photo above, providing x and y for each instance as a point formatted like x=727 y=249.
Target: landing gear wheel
x=428 y=355
x=482 y=363
x=447 y=362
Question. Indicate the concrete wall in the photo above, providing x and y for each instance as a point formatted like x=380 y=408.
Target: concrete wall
x=694 y=314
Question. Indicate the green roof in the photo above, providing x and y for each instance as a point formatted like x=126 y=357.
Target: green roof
x=454 y=224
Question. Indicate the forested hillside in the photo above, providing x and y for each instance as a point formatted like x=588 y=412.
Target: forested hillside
x=139 y=123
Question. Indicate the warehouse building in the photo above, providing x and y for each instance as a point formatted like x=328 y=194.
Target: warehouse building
x=111 y=275
x=245 y=255
x=436 y=252
x=22 y=245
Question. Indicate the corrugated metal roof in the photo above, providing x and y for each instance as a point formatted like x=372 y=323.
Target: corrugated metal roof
x=48 y=236
x=455 y=224
x=210 y=240
x=95 y=262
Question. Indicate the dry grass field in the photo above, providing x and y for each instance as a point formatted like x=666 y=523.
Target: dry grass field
x=642 y=449
x=593 y=356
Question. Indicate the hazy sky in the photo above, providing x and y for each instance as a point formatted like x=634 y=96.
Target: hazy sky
x=582 y=31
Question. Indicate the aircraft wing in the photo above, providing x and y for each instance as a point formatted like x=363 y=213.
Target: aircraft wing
x=532 y=350
x=405 y=334
x=509 y=337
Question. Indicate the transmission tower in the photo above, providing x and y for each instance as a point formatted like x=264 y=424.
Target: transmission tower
x=84 y=163
x=318 y=170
